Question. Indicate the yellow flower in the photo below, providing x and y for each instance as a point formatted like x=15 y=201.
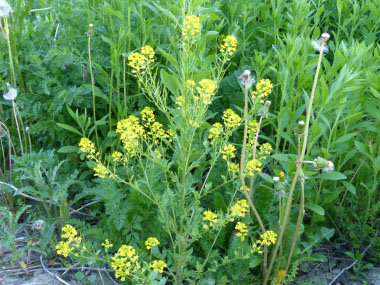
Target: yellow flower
x=158 y=266
x=264 y=150
x=101 y=171
x=147 y=115
x=263 y=89
x=229 y=46
x=215 y=132
x=130 y=132
x=180 y=101
x=281 y=274
x=107 y=244
x=233 y=167
x=210 y=217
x=206 y=90
x=148 y=52
x=151 y=242
x=228 y=152
x=125 y=262
x=69 y=233
x=116 y=156
x=253 y=166
x=86 y=145
x=139 y=62
x=268 y=238
x=242 y=230
x=231 y=119
x=253 y=127
x=191 y=27
x=246 y=188
x=257 y=247
x=63 y=248
x=190 y=84
x=240 y=209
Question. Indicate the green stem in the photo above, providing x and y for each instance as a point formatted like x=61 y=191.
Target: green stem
x=298 y=226
x=303 y=151
x=92 y=83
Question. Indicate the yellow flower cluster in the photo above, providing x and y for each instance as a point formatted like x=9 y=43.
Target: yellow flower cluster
x=86 y=145
x=190 y=84
x=264 y=151
x=101 y=171
x=117 y=156
x=107 y=244
x=154 y=130
x=147 y=115
x=242 y=230
x=191 y=27
x=233 y=167
x=240 y=209
x=281 y=274
x=130 y=132
x=139 y=62
x=158 y=266
x=253 y=126
x=212 y=218
x=206 y=90
x=180 y=101
x=253 y=166
x=69 y=233
x=229 y=46
x=228 y=152
x=125 y=262
x=263 y=89
x=231 y=119
x=151 y=242
x=215 y=132
x=268 y=238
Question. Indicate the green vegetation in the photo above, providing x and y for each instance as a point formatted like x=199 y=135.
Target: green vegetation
x=190 y=142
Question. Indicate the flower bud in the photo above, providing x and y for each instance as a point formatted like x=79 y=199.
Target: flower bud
x=299 y=131
x=278 y=185
x=264 y=110
x=90 y=27
x=324 y=164
x=325 y=37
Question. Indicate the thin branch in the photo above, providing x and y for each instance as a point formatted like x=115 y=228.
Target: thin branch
x=348 y=267
x=52 y=274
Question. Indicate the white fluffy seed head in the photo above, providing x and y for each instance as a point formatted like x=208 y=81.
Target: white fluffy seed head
x=5 y=9
x=11 y=94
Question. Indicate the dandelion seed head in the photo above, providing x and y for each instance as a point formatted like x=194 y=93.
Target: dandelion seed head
x=5 y=9
x=11 y=94
x=246 y=77
x=319 y=45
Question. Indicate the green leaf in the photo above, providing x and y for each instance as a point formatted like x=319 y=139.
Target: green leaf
x=362 y=148
x=376 y=163
x=92 y=278
x=333 y=175
x=316 y=208
x=69 y=128
x=314 y=257
x=281 y=157
x=68 y=149
x=266 y=177
x=170 y=58
x=79 y=276
x=349 y=187
x=170 y=82
x=345 y=138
